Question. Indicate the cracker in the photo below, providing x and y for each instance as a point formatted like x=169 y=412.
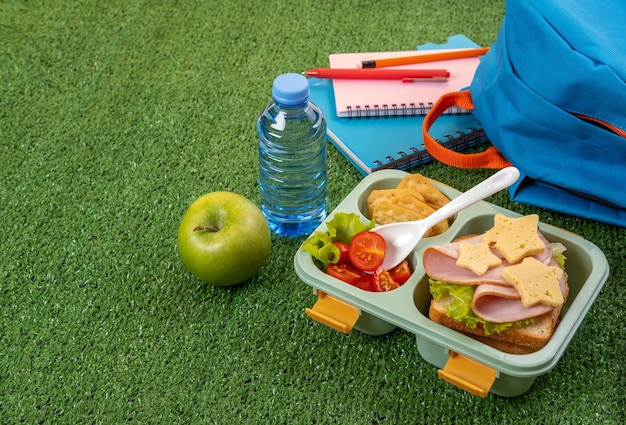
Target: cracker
x=386 y=212
x=409 y=201
x=437 y=229
x=424 y=186
x=423 y=209
x=413 y=199
x=379 y=195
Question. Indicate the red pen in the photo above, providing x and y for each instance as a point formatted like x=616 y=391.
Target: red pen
x=406 y=75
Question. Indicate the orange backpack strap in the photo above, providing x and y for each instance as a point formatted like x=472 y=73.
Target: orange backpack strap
x=490 y=158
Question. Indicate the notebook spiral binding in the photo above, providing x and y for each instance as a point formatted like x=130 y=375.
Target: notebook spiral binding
x=394 y=110
x=461 y=140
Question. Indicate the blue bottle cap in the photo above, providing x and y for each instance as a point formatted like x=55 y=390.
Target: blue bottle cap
x=290 y=89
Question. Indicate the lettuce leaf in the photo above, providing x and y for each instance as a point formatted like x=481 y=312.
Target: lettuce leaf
x=342 y=227
x=320 y=246
x=558 y=250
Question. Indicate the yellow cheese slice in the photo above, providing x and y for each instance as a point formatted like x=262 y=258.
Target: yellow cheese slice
x=515 y=238
x=536 y=282
x=477 y=257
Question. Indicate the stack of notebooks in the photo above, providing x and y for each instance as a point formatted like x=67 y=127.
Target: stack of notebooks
x=377 y=124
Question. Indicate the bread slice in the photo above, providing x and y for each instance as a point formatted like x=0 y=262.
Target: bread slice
x=515 y=340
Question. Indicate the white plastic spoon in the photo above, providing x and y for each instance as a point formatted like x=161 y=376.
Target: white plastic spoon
x=401 y=238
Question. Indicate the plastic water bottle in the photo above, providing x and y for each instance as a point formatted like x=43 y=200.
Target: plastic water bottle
x=292 y=159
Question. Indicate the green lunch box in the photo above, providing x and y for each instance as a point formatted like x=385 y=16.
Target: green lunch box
x=462 y=361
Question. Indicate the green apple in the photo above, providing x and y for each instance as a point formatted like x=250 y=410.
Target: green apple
x=223 y=238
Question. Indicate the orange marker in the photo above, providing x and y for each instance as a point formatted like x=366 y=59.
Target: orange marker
x=429 y=57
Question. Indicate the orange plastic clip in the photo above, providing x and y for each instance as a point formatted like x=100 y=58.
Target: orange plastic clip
x=468 y=374
x=333 y=313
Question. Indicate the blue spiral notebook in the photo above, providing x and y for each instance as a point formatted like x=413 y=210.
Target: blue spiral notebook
x=376 y=143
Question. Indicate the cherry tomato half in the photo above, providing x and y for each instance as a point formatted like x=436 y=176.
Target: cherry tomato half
x=401 y=273
x=365 y=282
x=367 y=250
x=344 y=257
x=383 y=282
x=345 y=271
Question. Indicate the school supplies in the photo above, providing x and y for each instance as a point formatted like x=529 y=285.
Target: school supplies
x=374 y=98
x=372 y=144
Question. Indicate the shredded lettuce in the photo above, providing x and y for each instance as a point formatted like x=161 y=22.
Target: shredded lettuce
x=342 y=227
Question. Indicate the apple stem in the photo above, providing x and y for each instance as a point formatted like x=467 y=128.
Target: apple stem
x=206 y=228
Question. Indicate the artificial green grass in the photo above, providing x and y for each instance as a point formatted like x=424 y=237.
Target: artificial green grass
x=114 y=117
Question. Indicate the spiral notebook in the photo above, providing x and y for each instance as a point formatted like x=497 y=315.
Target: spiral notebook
x=367 y=98
x=372 y=144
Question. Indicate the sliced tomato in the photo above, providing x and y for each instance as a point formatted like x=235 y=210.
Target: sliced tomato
x=401 y=273
x=344 y=271
x=383 y=282
x=367 y=250
x=344 y=257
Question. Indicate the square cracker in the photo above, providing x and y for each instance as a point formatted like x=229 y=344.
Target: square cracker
x=379 y=195
x=386 y=212
x=423 y=209
x=394 y=211
x=423 y=185
x=411 y=202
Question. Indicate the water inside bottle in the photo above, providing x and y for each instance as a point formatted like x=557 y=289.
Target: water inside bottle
x=292 y=161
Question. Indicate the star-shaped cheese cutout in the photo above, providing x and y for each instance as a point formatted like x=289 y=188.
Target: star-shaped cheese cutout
x=477 y=257
x=515 y=238
x=536 y=282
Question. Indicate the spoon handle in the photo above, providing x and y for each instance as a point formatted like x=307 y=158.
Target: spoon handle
x=500 y=180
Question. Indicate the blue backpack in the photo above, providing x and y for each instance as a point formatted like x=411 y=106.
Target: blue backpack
x=551 y=96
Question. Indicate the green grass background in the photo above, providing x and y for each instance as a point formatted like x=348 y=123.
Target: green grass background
x=116 y=115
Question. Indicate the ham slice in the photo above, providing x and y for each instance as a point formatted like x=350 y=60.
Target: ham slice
x=440 y=264
x=502 y=304
x=495 y=299
x=444 y=268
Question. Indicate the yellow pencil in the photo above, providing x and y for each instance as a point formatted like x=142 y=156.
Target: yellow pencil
x=429 y=57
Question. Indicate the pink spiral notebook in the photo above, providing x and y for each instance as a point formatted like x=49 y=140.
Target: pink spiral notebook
x=372 y=98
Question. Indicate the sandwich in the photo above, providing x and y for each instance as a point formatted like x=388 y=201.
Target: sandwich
x=505 y=287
